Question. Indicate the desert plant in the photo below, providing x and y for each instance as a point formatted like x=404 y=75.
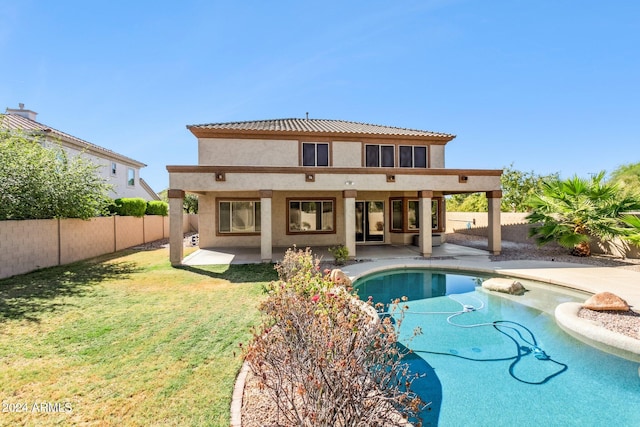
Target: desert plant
x=340 y=254
x=574 y=210
x=324 y=356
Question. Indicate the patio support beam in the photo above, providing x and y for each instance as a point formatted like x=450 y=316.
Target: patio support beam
x=494 y=232
x=176 y=246
x=350 y=221
x=426 y=240
x=266 y=248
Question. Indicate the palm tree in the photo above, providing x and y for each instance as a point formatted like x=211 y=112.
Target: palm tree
x=573 y=211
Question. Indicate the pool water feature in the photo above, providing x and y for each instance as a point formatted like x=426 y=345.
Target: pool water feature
x=493 y=359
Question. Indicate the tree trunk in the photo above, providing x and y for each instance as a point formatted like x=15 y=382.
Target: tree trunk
x=581 y=249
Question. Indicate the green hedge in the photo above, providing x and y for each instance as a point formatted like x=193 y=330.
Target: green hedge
x=129 y=206
x=157 y=207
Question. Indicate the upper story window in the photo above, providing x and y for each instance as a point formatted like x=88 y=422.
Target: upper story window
x=131 y=177
x=315 y=154
x=379 y=156
x=114 y=168
x=412 y=156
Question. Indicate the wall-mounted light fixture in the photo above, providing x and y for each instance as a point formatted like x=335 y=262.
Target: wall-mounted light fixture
x=220 y=176
x=310 y=177
x=391 y=178
x=463 y=179
x=349 y=183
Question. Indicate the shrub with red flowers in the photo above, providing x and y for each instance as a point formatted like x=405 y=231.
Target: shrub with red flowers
x=325 y=357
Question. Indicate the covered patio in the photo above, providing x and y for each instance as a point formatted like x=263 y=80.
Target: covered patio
x=213 y=256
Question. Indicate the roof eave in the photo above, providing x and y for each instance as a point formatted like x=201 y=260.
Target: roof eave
x=202 y=132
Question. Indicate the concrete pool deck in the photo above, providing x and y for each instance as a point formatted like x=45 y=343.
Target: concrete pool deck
x=587 y=278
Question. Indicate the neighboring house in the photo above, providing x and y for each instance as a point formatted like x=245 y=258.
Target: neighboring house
x=121 y=171
x=313 y=182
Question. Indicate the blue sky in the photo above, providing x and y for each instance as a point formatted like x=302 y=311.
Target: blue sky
x=546 y=85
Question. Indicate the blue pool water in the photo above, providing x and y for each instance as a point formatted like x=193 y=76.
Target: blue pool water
x=523 y=371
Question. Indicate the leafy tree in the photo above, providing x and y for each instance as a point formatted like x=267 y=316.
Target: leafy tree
x=627 y=177
x=468 y=202
x=572 y=211
x=189 y=204
x=517 y=189
x=38 y=182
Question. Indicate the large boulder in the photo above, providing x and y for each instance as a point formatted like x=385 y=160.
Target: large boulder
x=606 y=301
x=507 y=286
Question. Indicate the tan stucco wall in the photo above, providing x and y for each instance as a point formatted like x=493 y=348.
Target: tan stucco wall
x=325 y=181
x=27 y=245
x=436 y=156
x=153 y=228
x=85 y=239
x=33 y=244
x=207 y=222
x=346 y=154
x=247 y=152
x=129 y=232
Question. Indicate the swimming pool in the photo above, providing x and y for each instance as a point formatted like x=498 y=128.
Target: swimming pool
x=499 y=360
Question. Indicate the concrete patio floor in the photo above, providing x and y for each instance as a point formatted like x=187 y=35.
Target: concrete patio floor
x=210 y=256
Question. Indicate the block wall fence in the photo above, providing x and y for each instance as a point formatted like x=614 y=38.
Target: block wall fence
x=515 y=228
x=29 y=245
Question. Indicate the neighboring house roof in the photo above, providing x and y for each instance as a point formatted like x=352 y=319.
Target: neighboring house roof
x=313 y=126
x=18 y=122
x=148 y=189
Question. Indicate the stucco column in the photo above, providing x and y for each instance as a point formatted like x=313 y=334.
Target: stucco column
x=266 y=248
x=350 y=221
x=176 y=245
x=426 y=243
x=494 y=231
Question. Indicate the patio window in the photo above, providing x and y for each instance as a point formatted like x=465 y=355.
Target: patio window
x=315 y=154
x=412 y=156
x=379 y=156
x=311 y=216
x=405 y=216
x=239 y=217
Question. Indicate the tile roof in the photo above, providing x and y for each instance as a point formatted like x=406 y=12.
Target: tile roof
x=317 y=126
x=17 y=122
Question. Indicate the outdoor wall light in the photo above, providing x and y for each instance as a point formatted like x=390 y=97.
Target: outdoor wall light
x=349 y=183
x=463 y=178
x=310 y=177
x=391 y=178
x=220 y=176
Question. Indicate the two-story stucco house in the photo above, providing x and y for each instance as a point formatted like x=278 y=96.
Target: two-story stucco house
x=312 y=182
x=121 y=171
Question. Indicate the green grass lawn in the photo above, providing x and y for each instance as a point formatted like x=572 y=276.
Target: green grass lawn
x=125 y=340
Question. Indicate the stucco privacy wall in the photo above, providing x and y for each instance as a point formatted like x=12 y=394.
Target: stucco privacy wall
x=29 y=245
x=515 y=228
x=85 y=239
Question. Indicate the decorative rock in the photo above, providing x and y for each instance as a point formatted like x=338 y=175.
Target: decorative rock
x=338 y=277
x=507 y=286
x=606 y=301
